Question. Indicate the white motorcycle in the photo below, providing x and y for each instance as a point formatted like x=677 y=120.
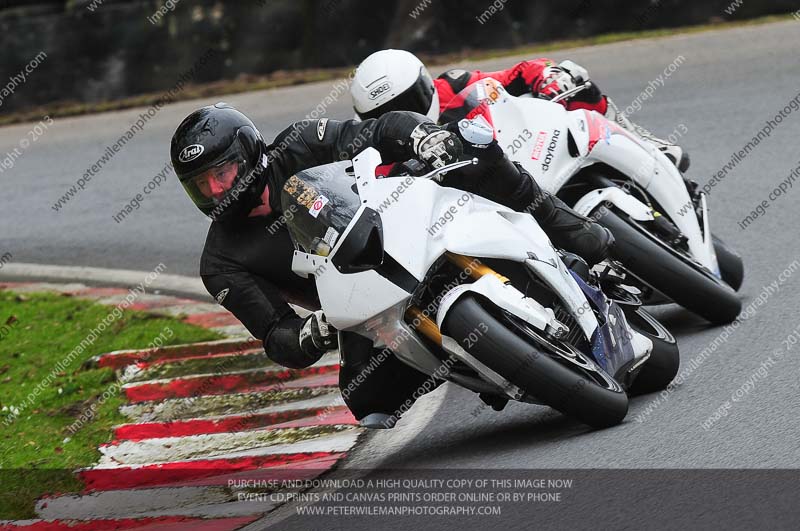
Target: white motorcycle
x=469 y=291
x=662 y=232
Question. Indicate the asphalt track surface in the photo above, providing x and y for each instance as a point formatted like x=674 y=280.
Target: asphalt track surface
x=728 y=84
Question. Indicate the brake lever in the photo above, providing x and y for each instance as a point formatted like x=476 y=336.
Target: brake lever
x=449 y=167
x=571 y=92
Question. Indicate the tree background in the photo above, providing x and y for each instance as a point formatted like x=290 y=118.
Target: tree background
x=115 y=51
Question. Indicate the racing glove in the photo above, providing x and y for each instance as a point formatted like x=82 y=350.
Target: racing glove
x=555 y=80
x=435 y=146
x=566 y=76
x=476 y=137
x=317 y=335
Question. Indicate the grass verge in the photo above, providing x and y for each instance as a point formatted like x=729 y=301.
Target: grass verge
x=38 y=451
x=247 y=83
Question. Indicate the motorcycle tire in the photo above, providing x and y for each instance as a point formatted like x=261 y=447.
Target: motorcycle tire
x=654 y=263
x=587 y=394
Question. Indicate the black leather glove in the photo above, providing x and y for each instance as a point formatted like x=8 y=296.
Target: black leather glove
x=477 y=141
x=317 y=335
x=435 y=146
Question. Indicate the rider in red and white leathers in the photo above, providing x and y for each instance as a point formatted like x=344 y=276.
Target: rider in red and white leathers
x=391 y=80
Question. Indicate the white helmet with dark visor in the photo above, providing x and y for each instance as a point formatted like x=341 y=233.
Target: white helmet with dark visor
x=393 y=80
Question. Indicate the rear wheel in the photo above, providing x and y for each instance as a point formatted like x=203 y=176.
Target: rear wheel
x=662 y=365
x=675 y=276
x=554 y=372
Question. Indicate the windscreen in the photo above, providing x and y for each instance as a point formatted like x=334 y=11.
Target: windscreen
x=475 y=100
x=318 y=205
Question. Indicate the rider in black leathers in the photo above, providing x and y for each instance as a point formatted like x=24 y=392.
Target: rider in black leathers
x=236 y=179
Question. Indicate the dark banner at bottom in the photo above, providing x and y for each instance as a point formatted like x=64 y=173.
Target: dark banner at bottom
x=545 y=499
x=463 y=499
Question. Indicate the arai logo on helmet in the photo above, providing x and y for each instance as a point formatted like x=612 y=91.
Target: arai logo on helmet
x=189 y=153
x=380 y=89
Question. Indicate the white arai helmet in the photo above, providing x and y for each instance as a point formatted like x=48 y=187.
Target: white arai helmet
x=393 y=80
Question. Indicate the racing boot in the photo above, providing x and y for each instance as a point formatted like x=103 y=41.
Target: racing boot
x=570 y=231
x=674 y=152
x=376 y=386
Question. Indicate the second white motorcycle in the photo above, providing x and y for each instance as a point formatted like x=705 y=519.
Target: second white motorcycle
x=662 y=228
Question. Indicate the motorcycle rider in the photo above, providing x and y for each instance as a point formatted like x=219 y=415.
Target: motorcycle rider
x=236 y=179
x=392 y=80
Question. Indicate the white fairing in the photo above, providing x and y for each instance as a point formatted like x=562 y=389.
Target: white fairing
x=350 y=299
x=613 y=195
x=504 y=296
x=535 y=133
x=422 y=221
x=478 y=227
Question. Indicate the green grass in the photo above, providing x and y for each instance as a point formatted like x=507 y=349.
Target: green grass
x=247 y=83
x=37 y=331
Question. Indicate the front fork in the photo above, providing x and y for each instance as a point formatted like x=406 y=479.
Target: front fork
x=421 y=321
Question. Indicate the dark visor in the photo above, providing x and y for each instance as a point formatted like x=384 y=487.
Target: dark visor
x=228 y=176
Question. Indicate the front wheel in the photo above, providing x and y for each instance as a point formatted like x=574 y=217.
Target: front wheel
x=678 y=278
x=556 y=373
